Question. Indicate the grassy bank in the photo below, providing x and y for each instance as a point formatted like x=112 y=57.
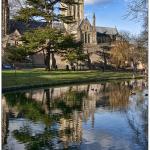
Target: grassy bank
x=37 y=77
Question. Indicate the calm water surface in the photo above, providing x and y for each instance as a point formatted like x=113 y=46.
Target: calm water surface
x=102 y=116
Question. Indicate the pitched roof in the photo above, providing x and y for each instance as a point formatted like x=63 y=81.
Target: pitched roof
x=80 y=22
x=22 y=27
x=83 y=21
x=107 y=30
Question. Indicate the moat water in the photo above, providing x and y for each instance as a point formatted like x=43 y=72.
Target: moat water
x=96 y=116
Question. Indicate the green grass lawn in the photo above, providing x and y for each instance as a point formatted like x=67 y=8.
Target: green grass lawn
x=41 y=77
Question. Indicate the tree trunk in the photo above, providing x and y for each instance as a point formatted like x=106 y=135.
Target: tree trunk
x=53 y=62
x=44 y=56
x=105 y=61
x=47 y=92
x=89 y=62
x=104 y=87
x=134 y=67
x=47 y=61
x=77 y=66
x=118 y=66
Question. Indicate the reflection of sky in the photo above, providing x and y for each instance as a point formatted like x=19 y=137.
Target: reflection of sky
x=17 y=124
x=111 y=132
x=111 y=129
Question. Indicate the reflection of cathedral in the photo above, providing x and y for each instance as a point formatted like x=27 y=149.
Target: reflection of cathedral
x=74 y=104
x=74 y=127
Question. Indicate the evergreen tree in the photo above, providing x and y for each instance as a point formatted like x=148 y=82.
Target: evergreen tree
x=44 y=38
x=73 y=50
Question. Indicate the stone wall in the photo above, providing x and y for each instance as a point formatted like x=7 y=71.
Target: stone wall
x=91 y=49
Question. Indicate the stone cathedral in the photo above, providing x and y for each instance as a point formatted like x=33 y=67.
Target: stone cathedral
x=95 y=38
x=82 y=28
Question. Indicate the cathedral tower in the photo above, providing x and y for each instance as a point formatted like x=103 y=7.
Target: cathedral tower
x=76 y=11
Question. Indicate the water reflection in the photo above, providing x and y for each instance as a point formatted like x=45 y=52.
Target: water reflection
x=90 y=116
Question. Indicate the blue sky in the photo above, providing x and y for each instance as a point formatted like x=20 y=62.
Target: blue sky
x=110 y=13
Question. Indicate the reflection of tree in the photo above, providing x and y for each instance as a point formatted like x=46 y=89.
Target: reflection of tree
x=71 y=101
x=118 y=96
x=138 y=120
x=114 y=96
x=63 y=112
x=39 y=141
x=49 y=98
x=27 y=107
x=33 y=110
x=4 y=123
x=70 y=123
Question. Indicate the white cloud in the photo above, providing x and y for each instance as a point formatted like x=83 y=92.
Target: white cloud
x=97 y=1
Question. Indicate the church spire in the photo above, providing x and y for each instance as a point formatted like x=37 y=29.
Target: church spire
x=94 y=20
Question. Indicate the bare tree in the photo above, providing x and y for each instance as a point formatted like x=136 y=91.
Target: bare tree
x=120 y=51
x=138 y=10
x=128 y=50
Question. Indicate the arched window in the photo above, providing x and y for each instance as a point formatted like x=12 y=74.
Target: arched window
x=16 y=43
x=69 y=10
x=88 y=38
x=106 y=39
x=74 y=11
x=79 y=11
x=114 y=37
x=103 y=39
x=85 y=37
x=82 y=37
x=100 y=39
